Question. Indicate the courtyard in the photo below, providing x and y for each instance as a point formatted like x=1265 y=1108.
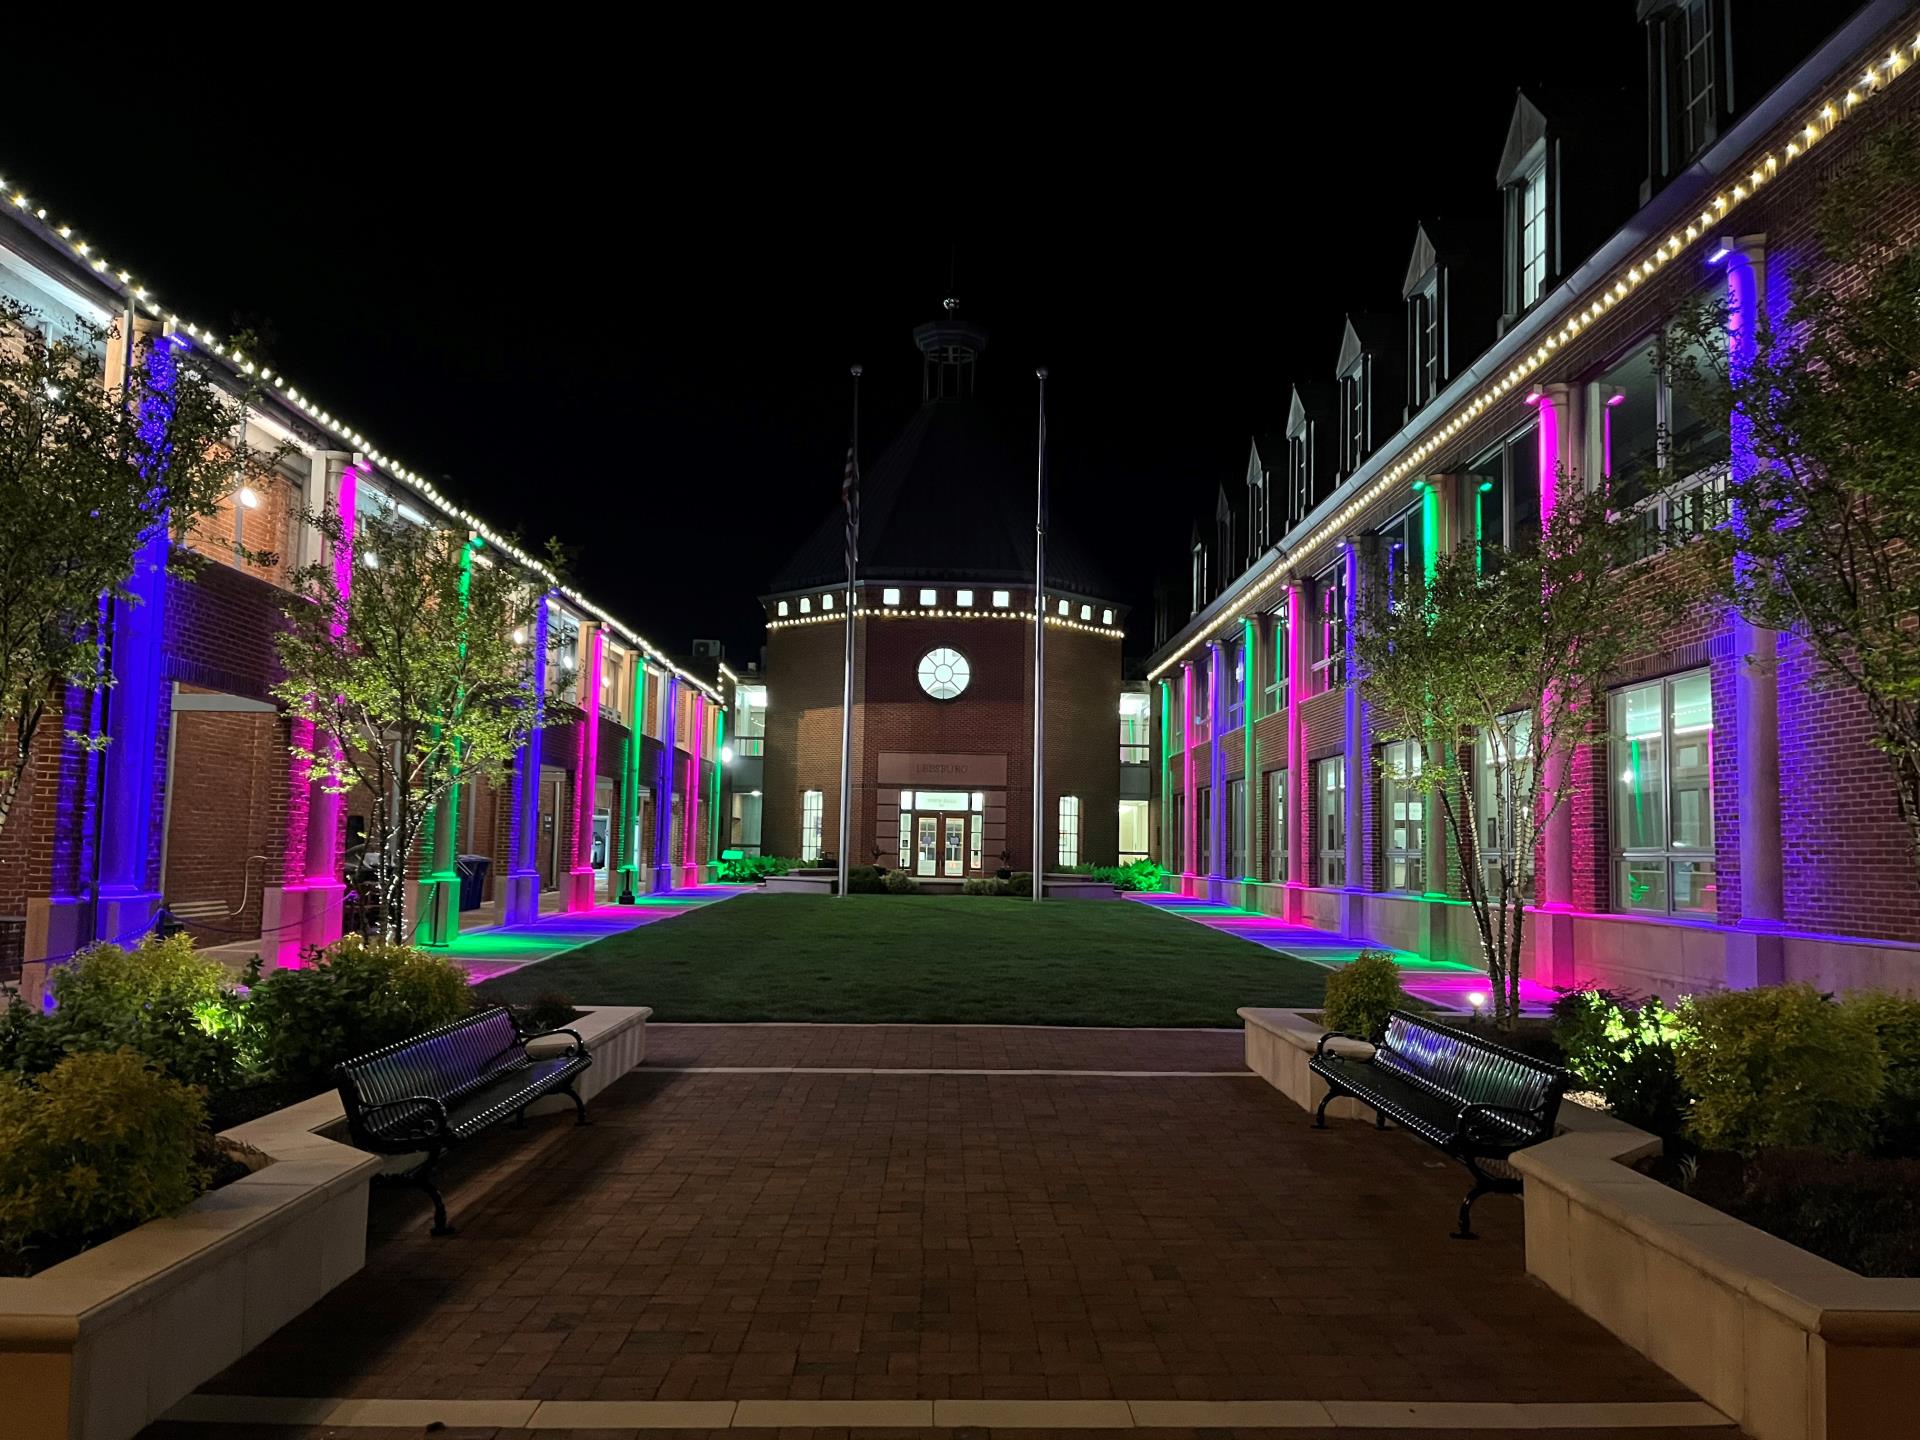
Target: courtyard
x=918 y=959
x=913 y=1228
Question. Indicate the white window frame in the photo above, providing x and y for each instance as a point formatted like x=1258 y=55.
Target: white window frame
x=1409 y=860
x=1669 y=853
x=1330 y=831
x=813 y=813
x=1069 y=831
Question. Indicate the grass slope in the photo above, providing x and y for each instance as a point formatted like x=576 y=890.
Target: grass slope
x=925 y=959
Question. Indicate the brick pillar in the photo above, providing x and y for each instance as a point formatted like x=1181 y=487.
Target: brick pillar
x=128 y=893
x=304 y=913
x=1553 y=957
x=1190 y=854
x=1755 y=953
x=1359 y=756
x=1299 y=874
x=1250 y=690
x=663 y=791
x=690 y=817
x=1219 y=818
x=523 y=873
x=586 y=770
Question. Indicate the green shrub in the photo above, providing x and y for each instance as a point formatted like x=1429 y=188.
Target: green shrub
x=898 y=882
x=357 y=996
x=1779 y=1067
x=176 y=1008
x=549 y=1010
x=1896 y=1025
x=983 y=885
x=100 y=1143
x=1360 y=994
x=1021 y=885
x=865 y=880
x=751 y=869
x=1134 y=875
x=1860 y=1213
x=1628 y=1052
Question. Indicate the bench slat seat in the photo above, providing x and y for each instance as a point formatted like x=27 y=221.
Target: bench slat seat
x=1469 y=1098
x=426 y=1094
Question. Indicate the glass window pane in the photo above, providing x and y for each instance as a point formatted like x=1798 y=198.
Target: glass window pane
x=1693 y=888
x=1692 y=732
x=1629 y=419
x=1639 y=783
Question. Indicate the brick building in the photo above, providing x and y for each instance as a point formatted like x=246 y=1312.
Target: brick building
x=197 y=802
x=943 y=654
x=1735 y=825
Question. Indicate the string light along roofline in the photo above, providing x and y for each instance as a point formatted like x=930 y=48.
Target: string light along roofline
x=140 y=296
x=1625 y=279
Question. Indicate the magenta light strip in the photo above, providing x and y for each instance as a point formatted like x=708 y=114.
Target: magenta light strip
x=586 y=777
x=323 y=830
x=1192 y=856
x=690 y=811
x=1297 y=784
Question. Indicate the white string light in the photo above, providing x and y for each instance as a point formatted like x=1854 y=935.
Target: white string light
x=1828 y=117
x=142 y=298
x=893 y=612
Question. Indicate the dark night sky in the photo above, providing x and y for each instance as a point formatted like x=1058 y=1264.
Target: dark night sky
x=611 y=292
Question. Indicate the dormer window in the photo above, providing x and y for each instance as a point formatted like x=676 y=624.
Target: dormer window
x=1687 y=83
x=1199 y=575
x=1530 y=248
x=1423 y=337
x=1353 y=417
x=1299 y=481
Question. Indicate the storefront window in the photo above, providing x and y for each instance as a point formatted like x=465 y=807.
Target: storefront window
x=1405 y=804
x=1069 y=830
x=1277 y=826
x=1331 y=785
x=813 y=804
x=1500 y=772
x=1237 y=827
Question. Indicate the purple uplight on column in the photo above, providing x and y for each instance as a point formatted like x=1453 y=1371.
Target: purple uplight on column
x=1191 y=791
x=663 y=792
x=127 y=896
x=523 y=876
x=586 y=775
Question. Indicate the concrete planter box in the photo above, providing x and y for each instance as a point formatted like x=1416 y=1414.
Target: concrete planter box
x=1791 y=1346
x=100 y=1345
x=1279 y=1044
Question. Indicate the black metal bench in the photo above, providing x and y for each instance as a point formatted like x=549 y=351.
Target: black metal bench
x=1467 y=1097
x=436 y=1090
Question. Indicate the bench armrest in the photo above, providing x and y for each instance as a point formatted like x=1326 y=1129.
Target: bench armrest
x=1321 y=1048
x=579 y=1046
x=1464 y=1122
x=432 y=1102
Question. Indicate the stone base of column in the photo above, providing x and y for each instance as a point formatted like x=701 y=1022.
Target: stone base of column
x=1755 y=957
x=295 y=919
x=123 y=917
x=56 y=927
x=523 y=897
x=662 y=879
x=436 y=913
x=580 y=890
x=1353 y=912
x=1294 y=906
x=1552 y=958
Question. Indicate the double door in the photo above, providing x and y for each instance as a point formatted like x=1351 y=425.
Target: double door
x=940 y=843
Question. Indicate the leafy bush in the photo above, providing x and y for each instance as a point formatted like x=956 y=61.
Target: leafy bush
x=174 y=1007
x=751 y=869
x=100 y=1143
x=1020 y=884
x=1141 y=875
x=898 y=882
x=1896 y=1025
x=357 y=996
x=1863 y=1214
x=984 y=885
x=865 y=880
x=549 y=1010
x=1627 y=1051
x=1780 y=1067
x=1360 y=994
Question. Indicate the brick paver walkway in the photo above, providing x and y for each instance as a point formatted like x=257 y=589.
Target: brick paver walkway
x=816 y=1234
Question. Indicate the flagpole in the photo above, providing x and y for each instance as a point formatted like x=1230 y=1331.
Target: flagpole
x=852 y=502
x=1040 y=644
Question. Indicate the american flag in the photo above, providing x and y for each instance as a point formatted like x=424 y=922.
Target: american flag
x=850 y=497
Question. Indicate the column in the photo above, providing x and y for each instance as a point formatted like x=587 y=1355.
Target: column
x=1299 y=783
x=690 y=810
x=304 y=914
x=1358 y=757
x=1755 y=952
x=663 y=789
x=1553 y=954
x=628 y=840
x=1165 y=857
x=716 y=803
x=440 y=886
x=586 y=770
x=1249 y=779
x=128 y=892
x=1438 y=506
x=523 y=841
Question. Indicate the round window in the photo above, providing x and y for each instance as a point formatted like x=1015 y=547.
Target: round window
x=944 y=673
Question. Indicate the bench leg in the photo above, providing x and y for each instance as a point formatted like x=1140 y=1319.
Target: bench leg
x=579 y=1106
x=1481 y=1186
x=1320 y=1115
x=423 y=1177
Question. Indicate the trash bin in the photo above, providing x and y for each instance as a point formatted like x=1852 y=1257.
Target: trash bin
x=473 y=878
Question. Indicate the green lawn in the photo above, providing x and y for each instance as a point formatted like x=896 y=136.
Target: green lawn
x=925 y=959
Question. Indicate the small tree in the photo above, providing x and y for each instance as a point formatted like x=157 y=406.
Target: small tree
x=424 y=679
x=1825 y=538
x=87 y=472
x=1505 y=651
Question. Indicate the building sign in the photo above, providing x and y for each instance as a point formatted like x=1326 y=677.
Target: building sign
x=969 y=772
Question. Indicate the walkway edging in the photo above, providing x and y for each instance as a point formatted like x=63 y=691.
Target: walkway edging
x=1334 y=1415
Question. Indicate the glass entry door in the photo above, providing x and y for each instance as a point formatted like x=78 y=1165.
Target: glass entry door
x=926 y=859
x=954 y=859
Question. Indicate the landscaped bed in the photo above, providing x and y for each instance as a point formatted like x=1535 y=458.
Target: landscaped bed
x=927 y=960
